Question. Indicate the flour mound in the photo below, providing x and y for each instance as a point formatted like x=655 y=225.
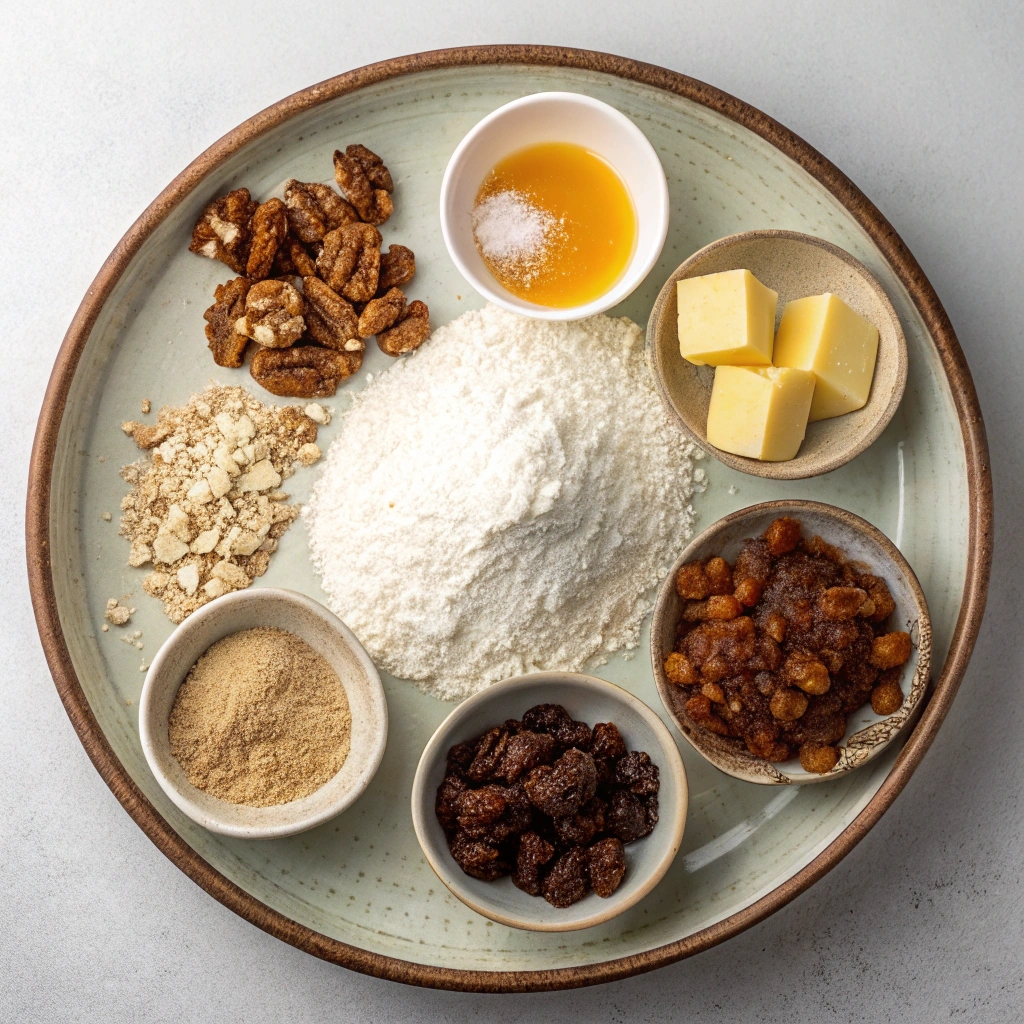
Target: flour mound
x=503 y=502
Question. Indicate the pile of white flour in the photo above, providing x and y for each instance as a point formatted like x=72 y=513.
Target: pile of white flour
x=503 y=501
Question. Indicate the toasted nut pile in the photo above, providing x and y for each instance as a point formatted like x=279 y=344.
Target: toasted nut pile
x=206 y=509
x=313 y=283
x=779 y=648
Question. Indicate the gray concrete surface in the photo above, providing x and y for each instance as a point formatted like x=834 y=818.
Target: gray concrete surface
x=920 y=103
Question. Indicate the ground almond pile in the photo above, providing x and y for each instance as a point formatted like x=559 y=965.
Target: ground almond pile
x=206 y=509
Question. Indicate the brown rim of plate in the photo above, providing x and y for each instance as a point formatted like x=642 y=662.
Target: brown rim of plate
x=979 y=541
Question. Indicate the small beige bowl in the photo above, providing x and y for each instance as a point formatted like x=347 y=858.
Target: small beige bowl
x=326 y=634
x=795 y=266
x=587 y=699
x=867 y=734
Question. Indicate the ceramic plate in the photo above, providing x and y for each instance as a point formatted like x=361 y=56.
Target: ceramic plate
x=357 y=890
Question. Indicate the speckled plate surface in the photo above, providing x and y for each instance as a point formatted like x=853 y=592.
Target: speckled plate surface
x=358 y=890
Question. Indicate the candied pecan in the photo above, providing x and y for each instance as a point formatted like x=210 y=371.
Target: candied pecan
x=381 y=313
x=559 y=789
x=887 y=696
x=692 y=583
x=293 y=259
x=680 y=670
x=573 y=734
x=567 y=881
x=488 y=756
x=719 y=576
x=891 y=650
x=330 y=319
x=459 y=758
x=479 y=859
x=580 y=827
x=533 y=854
x=225 y=342
x=606 y=865
x=350 y=261
x=397 y=267
x=782 y=536
x=273 y=314
x=448 y=794
x=304 y=371
x=269 y=228
x=523 y=752
x=314 y=209
x=607 y=742
x=480 y=806
x=546 y=718
x=630 y=817
x=818 y=758
x=373 y=204
x=373 y=166
x=411 y=330
x=222 y=231
x=637 y=773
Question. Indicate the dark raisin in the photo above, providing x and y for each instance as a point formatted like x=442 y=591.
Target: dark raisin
x=479 y=859
x=607 y=742
x=637 y=773
x=488 y=755
x=459 y=758
x=546 y=718
x=573 y=734
x=580 y=828
x=524 y=751
x=631 y=817
x=480 y=806
x=606 y=863
x=567 y=882
x=534 y=853
x=448 y=794
x=559 y=789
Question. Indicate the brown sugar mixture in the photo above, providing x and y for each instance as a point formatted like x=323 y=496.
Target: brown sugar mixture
x=549 y=801
x=261 y=719
x=778 y=649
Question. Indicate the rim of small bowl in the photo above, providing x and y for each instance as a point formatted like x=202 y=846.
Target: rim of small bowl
x=488 y=287
x=799 y=467
x=764 y=772
x=422 y=802
x=156 y=679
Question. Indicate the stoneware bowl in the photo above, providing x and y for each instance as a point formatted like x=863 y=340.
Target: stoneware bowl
x=590 y=700
x=867 y=734
x=326 y=634
x=795 y=266
x=555 y=117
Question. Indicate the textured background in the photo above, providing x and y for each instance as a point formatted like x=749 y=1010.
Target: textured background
x=919 y=103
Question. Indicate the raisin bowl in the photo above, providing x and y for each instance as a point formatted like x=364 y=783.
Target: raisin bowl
x=599 y=777
x=791 y=643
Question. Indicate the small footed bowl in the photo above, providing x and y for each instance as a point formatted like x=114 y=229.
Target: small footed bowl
x=555 y=117
x=587 y=699
x=794 y=265
x=867 y=734
x=326 y=634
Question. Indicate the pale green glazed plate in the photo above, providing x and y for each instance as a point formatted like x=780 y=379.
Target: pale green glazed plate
x=358 y=890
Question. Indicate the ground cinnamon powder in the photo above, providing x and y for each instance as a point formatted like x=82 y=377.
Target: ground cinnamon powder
x=261 y=719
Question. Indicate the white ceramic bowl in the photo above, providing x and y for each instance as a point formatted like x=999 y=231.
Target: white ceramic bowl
x=587 y=699
x=325 y=633
x=555 y=117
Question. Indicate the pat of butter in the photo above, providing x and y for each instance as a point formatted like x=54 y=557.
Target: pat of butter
x=726 y=318
x=760 y=412
x=822 y=334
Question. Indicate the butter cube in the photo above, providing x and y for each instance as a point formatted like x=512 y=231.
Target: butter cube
x=822 y=334
x=726 y=319
x=760 y=412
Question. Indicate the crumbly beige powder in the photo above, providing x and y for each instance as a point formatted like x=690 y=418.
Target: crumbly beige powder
x=261 y=719
x=206 y=510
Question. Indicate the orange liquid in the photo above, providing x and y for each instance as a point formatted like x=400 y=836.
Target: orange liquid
x=592 y=243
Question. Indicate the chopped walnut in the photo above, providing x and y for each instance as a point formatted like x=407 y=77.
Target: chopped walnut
x=330 y=319
x=305 y=371
x=411 y=330
x=350 y=261
x=397 y=267
x=381 y=313
x=225 y=342
x=222 y=231
x=373 y=204
x=273 y=314
x=373 y=166
x=269 y=228
x=314 y=209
